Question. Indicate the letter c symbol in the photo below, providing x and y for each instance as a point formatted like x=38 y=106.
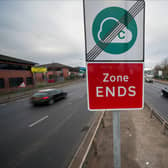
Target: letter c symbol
x=119 y=34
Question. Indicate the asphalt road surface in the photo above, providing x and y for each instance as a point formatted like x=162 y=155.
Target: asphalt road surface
x=155 y=100
x=45 y=136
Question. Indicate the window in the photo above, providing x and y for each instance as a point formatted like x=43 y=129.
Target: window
x=40 y=94
x=29 y=81
x=51 y=76
x=14 y=66
x=15 y=82
x=2 y=83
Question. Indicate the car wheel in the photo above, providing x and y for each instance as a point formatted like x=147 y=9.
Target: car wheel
x=51 y=101
x=65 y=96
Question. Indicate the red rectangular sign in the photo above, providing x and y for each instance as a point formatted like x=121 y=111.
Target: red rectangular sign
x=115 y=86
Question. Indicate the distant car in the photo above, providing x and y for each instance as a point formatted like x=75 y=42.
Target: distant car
x=47 y=96
x=164 y=92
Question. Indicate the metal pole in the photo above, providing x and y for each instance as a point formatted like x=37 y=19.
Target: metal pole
x=116 y=140
x=34 y=79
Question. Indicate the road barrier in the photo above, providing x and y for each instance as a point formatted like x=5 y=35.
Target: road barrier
x=90 y=138
x=155 y=113
x=88 y=141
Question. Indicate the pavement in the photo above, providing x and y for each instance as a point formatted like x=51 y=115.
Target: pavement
x=26 y=93
x=142 y=143
x=161 y=81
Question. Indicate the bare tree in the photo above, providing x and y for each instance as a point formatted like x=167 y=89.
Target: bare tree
x=163 y=66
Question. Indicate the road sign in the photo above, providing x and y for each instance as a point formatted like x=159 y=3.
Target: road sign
x=114 y=30
x=115 y=86
x=38 y=69
x=104 y=21
x=22 y=85
x=114 y=35
x=82 y=69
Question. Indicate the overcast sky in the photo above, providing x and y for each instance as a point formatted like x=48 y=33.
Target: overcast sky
x=46 y=31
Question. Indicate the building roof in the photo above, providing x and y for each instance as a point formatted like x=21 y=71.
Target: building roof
x=55 y=65
x=15 y=60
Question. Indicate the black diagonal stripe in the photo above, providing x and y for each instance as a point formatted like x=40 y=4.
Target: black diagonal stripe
x=128 y=20
x=125 y=17
x=118 y=27
x=116 y=24
x=96 y=50
x=121 y=26
x=99 y=50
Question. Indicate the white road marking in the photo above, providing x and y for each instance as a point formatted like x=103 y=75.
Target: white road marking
x=17 y=101
x=21 y=100
x=38 y=121
x=70 y=94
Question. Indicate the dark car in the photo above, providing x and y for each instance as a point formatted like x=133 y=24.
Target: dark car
x=47 y=96
x=164 y=92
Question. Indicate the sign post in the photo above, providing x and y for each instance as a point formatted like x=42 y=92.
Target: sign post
x=116 y=139
x=114 y=49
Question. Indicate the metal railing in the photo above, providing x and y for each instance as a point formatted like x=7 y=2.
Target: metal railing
x=160 y=117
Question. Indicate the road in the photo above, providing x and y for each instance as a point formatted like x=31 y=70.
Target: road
x=155 y=100
x=45 y=136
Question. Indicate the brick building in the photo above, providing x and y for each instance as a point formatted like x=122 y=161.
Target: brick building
x=56 y=72
x=13 y=72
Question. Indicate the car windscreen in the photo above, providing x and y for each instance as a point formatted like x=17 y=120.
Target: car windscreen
x=54 y=92
x=39 y=94
x=57 y=91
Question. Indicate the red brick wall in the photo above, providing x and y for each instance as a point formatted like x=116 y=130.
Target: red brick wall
x=39 y=77
x=65 y=72
x=51 y=73
x=5 y=74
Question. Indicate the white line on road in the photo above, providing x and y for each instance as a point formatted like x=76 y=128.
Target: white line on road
x=21 y=100
x=38 y=121
x=70 y=94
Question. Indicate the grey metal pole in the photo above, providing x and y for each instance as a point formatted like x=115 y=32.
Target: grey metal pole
x=116 y=140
